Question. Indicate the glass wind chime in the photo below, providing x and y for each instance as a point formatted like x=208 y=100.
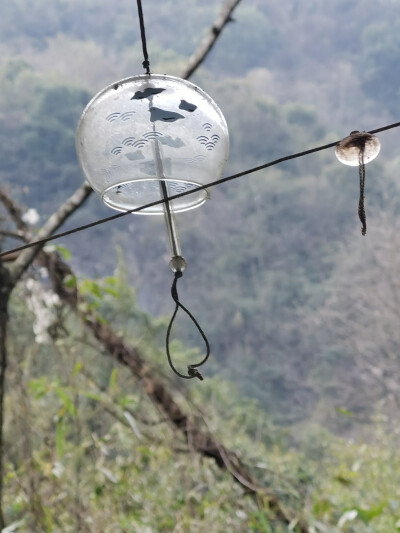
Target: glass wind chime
x=358 y=149
x=150 y=144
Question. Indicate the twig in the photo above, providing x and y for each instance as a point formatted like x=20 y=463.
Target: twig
x=14 y=211
x=210 y=38
x=12 y=234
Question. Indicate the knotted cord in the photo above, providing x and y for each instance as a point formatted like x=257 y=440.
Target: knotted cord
x=146 y=62
x=192 y=369
x=361 y=208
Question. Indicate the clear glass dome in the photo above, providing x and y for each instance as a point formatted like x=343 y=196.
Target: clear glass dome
x=349 y=148
x=151 y=135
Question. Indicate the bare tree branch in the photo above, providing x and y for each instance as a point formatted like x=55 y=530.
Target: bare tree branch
x=12 y=234
x=14 y=211
x=210 y=38
x=5 y=291
x=26 y=257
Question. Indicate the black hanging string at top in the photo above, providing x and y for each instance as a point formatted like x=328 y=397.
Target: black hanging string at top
x=146 y=62
x=192 y=369
x=186 y=193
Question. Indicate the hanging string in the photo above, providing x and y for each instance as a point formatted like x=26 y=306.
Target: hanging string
x=361 y=208
x=192 y=369
x=146 y=62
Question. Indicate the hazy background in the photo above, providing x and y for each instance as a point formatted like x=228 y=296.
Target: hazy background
x=300 y=309
x=276 y=259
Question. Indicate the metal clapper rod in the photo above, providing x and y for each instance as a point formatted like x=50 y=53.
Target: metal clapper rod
x=169 y=218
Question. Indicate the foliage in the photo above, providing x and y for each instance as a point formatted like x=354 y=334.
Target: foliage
x=87 y=451
x=95 y=453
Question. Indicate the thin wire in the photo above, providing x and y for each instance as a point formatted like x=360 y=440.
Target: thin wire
x=186 y=193
x=146 y=62
x=384 y=128
x=192 y=369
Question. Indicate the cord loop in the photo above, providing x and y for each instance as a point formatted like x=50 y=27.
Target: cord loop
x=192 y=370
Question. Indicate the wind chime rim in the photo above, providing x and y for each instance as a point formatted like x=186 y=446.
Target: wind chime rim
x=205 y=196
